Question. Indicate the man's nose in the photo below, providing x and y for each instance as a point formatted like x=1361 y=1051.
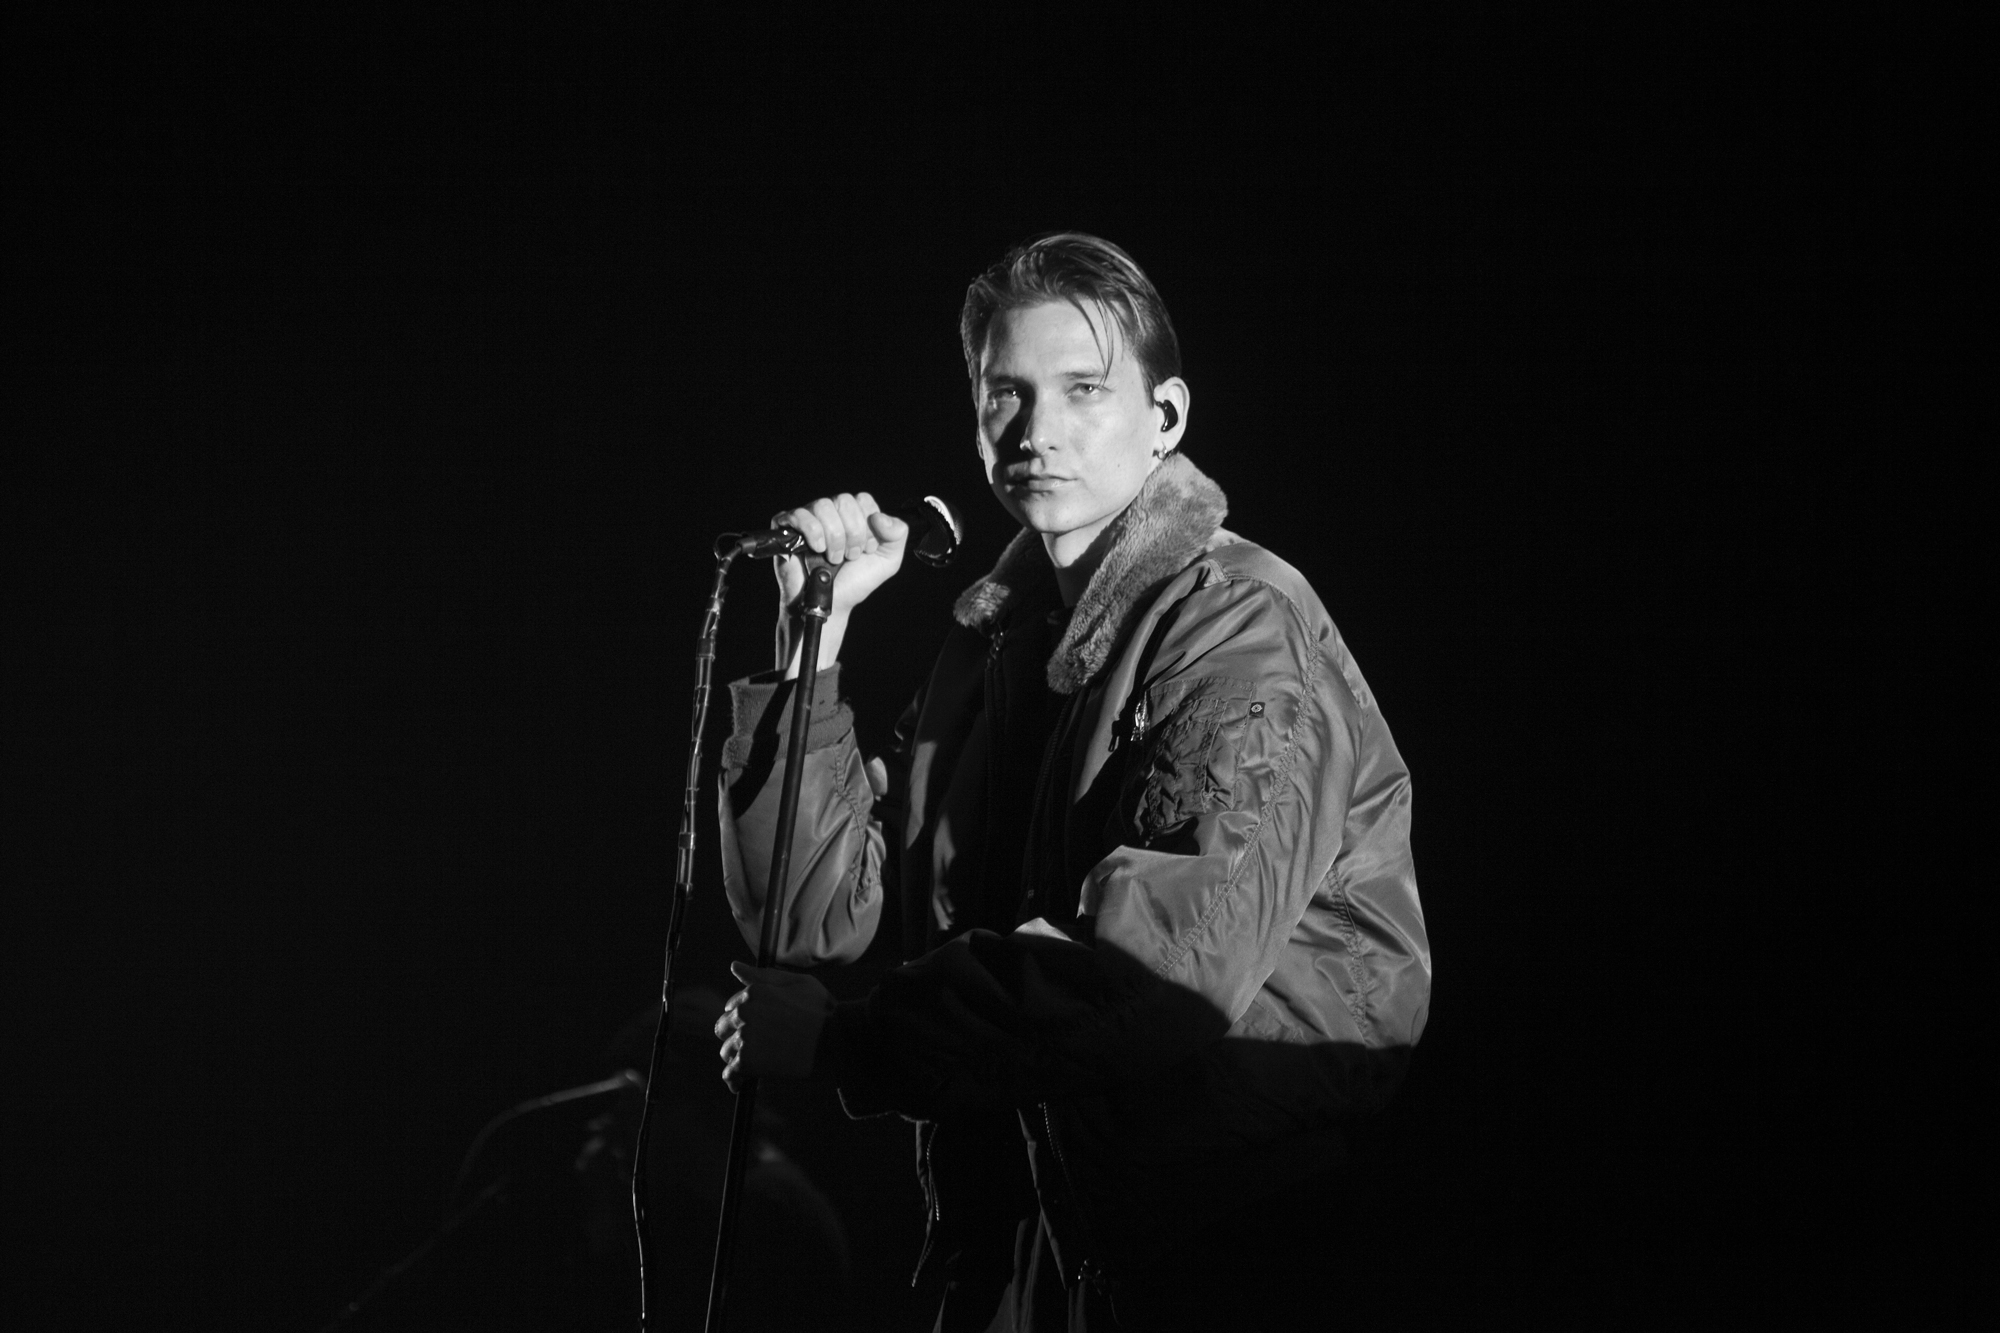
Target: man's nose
x=1036 y=432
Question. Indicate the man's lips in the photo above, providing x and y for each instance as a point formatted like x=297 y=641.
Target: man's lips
x=1035 y=483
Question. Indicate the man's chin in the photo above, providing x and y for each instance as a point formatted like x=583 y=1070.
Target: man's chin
x=1047 y=516
x=1031 y=511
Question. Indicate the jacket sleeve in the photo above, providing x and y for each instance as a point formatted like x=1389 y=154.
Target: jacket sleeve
x=835 y=899
x=1240 y=760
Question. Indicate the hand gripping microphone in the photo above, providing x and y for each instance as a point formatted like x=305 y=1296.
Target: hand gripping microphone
x=937 y=530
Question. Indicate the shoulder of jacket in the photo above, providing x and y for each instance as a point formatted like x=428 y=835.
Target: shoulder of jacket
x=1233 y=573
x=1229 y=558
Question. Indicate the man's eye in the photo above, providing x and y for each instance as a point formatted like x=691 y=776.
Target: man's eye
x=1087 y=389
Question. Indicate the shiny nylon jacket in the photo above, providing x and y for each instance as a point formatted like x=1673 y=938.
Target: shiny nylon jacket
x=1155 y=882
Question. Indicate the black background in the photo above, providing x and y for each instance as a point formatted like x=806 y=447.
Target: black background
x=389 y=376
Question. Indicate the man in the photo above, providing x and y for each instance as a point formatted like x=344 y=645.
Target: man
x=1146 y=833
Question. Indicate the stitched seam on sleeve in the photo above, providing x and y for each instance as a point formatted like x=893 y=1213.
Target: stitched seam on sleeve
x=857 y=869
x=1357 y=1007
x=1280 y=787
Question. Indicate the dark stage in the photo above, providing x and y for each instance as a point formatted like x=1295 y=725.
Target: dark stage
x=389 y=378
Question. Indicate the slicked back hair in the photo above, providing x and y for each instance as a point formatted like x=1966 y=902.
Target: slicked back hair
x=1085 y=271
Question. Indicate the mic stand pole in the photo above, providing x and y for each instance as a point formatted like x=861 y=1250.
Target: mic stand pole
x=725 y=555
x=815 y=605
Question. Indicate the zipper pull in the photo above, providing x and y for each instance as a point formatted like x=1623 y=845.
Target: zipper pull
x=1132 y=728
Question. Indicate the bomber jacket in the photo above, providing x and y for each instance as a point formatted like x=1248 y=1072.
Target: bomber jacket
x=1152 y=864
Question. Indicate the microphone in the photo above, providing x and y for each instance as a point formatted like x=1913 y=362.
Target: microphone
x=937 y=530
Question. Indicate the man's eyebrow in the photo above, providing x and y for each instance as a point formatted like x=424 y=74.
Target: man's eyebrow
x=1094 y=375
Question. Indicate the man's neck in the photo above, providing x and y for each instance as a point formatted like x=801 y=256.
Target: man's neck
x=1071 y=582
x=1076 y=557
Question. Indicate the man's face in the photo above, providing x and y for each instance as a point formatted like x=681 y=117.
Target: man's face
x=1066 y=439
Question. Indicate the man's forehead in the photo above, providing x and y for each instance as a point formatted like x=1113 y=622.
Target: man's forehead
x=1052 y=335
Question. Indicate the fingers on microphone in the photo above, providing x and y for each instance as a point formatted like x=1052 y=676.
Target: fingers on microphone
x=830 y=537
x=853 y=525
x=871 y=517
x=840 y=527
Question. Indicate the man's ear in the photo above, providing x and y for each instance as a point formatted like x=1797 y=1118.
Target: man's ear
x=1170 y=402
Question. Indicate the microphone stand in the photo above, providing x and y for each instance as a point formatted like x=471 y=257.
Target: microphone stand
x=725 y=555
x=945 y=532
x=814 y=606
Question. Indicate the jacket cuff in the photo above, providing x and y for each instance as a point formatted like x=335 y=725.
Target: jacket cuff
x=849 y=1056
x=753 y=698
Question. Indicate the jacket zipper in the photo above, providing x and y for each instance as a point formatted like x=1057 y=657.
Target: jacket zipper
x=934 y=1220
x=936 y=1213
x=1086 y=1263
x=996 y=715
x=995 y=712
x=1037 y=811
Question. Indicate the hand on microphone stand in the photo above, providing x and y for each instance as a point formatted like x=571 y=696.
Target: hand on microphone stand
x=771 y=1028
x=864 y=545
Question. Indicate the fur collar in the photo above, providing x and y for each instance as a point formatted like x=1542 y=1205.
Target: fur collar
x=1165 y=527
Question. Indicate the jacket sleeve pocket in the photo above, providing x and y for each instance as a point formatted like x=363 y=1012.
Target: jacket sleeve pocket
x=1184 y=765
